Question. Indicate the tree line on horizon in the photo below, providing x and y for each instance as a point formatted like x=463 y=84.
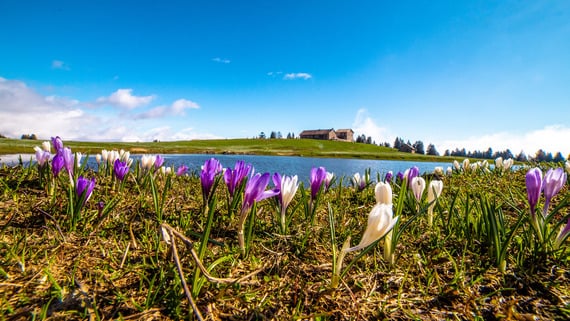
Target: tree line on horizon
x=418 y=147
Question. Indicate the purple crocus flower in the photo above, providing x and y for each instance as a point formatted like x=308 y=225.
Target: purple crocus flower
x=158 y=161
x=42 y=156
x=255 y=191
x=57 y=144
x=234 y=177
x=533 y=187
x=554 y=180
x=57 y=164
x=388 y=177
x=318 y=175
x=86 y=186
x=68 y=160
x=414 y=171
x=400 y=176
x=211 y=168
x=120 y=169
x=181 y=170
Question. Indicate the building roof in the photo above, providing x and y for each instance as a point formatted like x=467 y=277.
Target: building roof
x=317 y=132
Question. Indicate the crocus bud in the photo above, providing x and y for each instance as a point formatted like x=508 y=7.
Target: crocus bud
x=438 y=170
x=288 y=189
x=147 y=162
x=86 y=186
x=328 y=180
x=120 y=169
x=554 y=180
x=383 y=193
x=316 y=178
x=105 y=155
x=434 y=191
x=466 y=164
x=456 y=165
x=508 y=163
x=533 y=187
x=388 y=177
x=158 y=161
x=57 y=143
x=418 y=185
x=181 y=170
x=498 y=163
x=46 y=146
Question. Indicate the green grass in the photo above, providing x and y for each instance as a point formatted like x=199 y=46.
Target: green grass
x=288 y=147
x=117 y=263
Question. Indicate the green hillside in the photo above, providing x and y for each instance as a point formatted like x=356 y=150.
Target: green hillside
x=282 y=147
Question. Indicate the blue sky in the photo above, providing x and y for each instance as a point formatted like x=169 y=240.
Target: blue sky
x=473 y=74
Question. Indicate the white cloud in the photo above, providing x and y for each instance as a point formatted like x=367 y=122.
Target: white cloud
x=364 y=124
x=58 y=64
x=155 y=112
x=221 y=60
x=125 y=99
x=180 y=105
x=26 y=112
x=299 y=75
x=553 y=139
x=178 y=108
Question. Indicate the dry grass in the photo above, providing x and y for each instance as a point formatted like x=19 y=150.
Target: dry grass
x=119 y=267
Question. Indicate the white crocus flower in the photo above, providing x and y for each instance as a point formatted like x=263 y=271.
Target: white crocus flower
x=567 y=166
x=466 y=166
x=508 y=163
x=456 y=165
x=147 y=162
x=105 y=155
x=289 y=187
x=438 y=170
x=46 y=146
x=383 y=192
x=98 y=159
x=380 y=222
x=498 y=163
x=434 y=191
x=449 y=170
x=418 y=187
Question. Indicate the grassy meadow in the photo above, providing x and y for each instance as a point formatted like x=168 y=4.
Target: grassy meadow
x=138 y=241
x=284 y=147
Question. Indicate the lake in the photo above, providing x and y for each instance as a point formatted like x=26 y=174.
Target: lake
x=287 y=165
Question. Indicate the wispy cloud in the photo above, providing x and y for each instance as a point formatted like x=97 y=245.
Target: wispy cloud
x=298 y=75
x=274 y=73
x=125 y=99
x=58 y=64
x=177 y=108
x=364 y=124
x=221 y=60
